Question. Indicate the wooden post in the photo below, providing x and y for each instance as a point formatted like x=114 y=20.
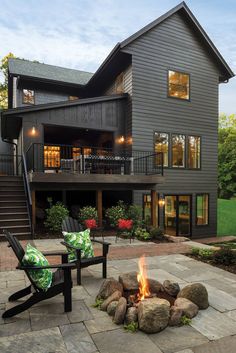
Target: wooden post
x=64 y=199
x=33 y=209
x=99 y=206
x=154 y=208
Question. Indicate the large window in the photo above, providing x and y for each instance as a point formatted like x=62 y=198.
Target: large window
x=161 y=144
x=202 y=209
x=178 y=85
x=178 y=151
x=28 y=96
x=194 y=152
x=52 y=156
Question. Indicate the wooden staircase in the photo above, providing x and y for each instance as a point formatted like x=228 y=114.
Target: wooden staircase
x=13 y=207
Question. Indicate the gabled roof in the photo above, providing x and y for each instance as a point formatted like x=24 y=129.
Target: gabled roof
x=49 y=72
x=226 y=70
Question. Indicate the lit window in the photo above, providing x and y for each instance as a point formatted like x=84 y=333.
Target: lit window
x=28 y=96
x=178 y=151
x=147 y=208
x=52 y=156
x=202 y=209
x=194 y=152
x=120 y=83
x=76 y=152
x=178 y=85
x=73 y=98
x=161 y=144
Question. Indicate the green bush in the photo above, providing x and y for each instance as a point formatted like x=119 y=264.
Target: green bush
x=156 y=233
x=224 y=256
x=114 y=213
x=142 y=234
x=195 y=251
x=135 y=213
x=87 y=212
x=55 y=215
x=203 y=253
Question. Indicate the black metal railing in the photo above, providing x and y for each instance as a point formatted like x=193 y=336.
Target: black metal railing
x=92 y=160
x=9 y=164
x=27 y=192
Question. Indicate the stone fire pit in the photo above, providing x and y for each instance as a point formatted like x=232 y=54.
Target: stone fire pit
x=166 y=304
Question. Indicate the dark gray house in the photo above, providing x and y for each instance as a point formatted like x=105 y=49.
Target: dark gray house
x=143 y=127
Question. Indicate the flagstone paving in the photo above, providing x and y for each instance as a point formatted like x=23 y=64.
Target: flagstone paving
x=46 y=328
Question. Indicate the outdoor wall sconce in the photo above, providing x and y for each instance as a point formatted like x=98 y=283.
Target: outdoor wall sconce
x=121 y=139
x=161 y=200
x=33 y=131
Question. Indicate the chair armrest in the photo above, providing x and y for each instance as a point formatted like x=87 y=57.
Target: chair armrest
x=54 y=253
x=61 y=266
x=100 y=242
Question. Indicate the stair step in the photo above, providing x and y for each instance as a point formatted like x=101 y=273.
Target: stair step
x=10 y=178
x=12 y=201
x=8 y=209
x=13 y=229
x=22 y=235
x=15 y=198
x=11 y=191
x=12 y=215
x=11 y=184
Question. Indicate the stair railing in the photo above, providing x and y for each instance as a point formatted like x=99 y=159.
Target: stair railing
x=28 y=193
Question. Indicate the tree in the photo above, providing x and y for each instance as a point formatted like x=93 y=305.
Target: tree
x=227 y=156
x=4 y=84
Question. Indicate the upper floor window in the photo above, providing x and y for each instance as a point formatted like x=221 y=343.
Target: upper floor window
x=73 y=98
x=120 y=83
x=28 y=96
x=202 y=211
x=161 y=144
x=194 y=152
x=178 y=85
x=178 y=151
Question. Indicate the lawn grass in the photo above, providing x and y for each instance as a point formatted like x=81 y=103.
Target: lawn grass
x=226 y=217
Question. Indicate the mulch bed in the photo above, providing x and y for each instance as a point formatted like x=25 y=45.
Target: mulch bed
x=230 y=268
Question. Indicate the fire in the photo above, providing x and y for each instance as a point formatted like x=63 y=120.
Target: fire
x=142 y=279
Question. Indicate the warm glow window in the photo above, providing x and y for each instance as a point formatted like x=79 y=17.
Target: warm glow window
x=202 y=209
x=161 y=144
x=194 y=152
x=28 y=96
x=178 y=151
x=178 y=85
x=52 y=156
x=76 y=152
x=73 y=98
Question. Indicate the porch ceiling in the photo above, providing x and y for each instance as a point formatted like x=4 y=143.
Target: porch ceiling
x=55 y=181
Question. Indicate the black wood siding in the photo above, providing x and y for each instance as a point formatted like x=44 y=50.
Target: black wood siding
x=173 y=45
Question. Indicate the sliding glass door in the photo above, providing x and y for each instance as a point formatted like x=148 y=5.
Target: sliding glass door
x=178 y=215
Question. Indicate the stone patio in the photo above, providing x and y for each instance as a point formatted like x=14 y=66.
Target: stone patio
x=45 y=328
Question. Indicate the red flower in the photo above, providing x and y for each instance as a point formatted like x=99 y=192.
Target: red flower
x=125 y=224
x=90 y=223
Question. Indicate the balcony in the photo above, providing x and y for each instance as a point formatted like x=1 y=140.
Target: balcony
x=70 y=164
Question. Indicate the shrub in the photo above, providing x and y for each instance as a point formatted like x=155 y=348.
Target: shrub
x=142 y=234
x=224 y=256
x=195 y=251
x=114 y=213
x=206 y=253
x=87 y=212
x=135 y=213
x=55 y=215
x=156 y=233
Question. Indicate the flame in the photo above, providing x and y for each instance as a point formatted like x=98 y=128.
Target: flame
x=142 y=279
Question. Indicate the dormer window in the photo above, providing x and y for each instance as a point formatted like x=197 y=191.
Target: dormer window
x=28 y=96
x=178 y=85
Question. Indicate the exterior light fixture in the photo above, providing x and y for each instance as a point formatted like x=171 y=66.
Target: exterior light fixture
x=161 y=200
x=33 y=131
x=121 y=139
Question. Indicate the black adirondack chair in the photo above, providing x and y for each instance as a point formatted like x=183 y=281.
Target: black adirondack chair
x=72 y=225
x=62 y=282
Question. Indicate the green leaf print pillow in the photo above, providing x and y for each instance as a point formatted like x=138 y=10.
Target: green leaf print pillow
x=80 y=240
x=41 y=278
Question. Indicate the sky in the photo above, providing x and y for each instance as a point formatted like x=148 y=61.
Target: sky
x=79 y=34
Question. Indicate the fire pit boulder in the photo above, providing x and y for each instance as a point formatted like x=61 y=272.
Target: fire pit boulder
x=153 y=314
x=196 y=293
x=108 y=287
x=188 y=308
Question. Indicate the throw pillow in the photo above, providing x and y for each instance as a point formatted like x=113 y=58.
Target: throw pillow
x=80 y=240
x=41 y=278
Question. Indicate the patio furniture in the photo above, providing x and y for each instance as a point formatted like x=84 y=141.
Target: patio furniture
x=71 y=225
x=61 y=282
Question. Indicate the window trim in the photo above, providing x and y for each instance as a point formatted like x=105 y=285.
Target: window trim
x=168 y=153
x=180 y=72
x=27 y=89
x=200 y=157
x=208 y=210
x=185 y=151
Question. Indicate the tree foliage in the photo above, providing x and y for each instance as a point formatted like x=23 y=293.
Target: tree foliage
x=227 y=156
x=4 y=84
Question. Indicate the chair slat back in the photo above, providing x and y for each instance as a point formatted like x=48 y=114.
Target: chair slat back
x=70 y=224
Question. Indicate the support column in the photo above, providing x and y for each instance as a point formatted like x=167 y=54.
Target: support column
x=64 y=199
x=154 y=208
x=33 y=209
x=99 y=206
